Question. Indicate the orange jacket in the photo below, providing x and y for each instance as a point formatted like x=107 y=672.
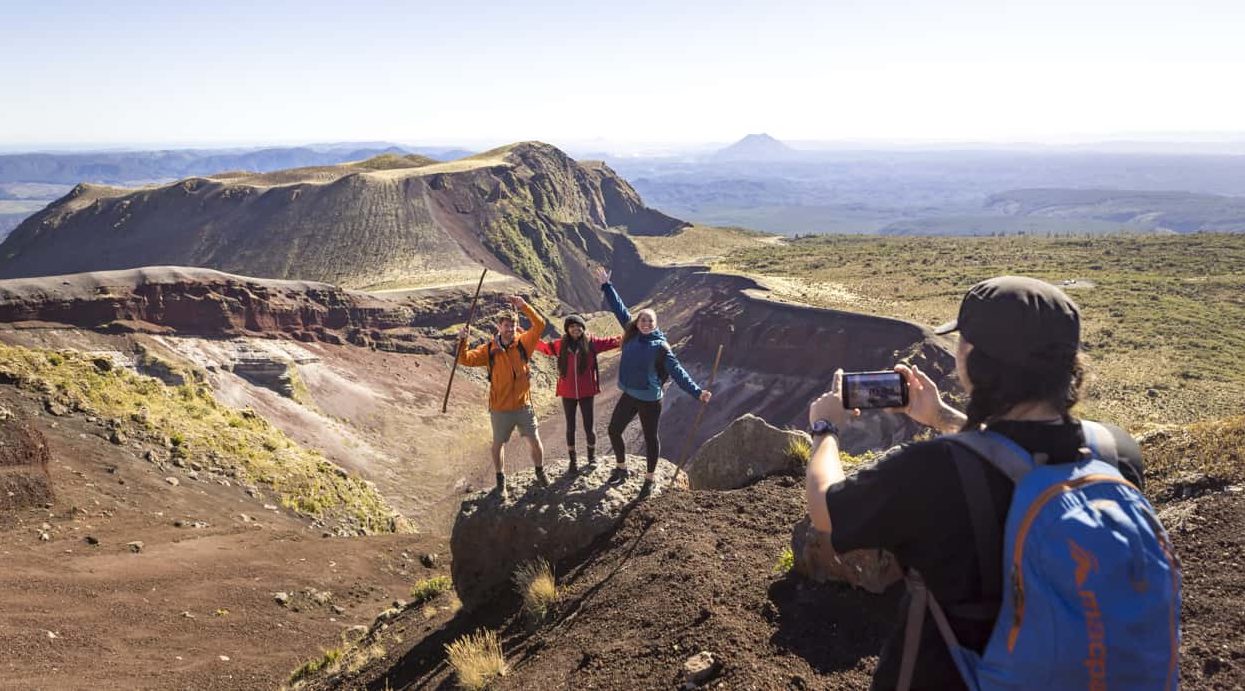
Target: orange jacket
x=511 y=385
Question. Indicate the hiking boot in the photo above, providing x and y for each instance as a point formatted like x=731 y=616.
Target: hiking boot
x=501 y=486
x=541 y=478
x=572 y=467
x=646 y=490
x=619 y=476
x=591 y=464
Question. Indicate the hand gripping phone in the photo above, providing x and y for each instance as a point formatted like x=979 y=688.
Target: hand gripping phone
x=884 y=389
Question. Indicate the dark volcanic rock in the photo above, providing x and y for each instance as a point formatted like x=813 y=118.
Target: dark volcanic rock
x=491 y=537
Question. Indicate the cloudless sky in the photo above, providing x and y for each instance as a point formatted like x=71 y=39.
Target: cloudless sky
x=635 y=71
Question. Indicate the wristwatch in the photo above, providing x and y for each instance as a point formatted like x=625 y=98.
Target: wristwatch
x=823 y=427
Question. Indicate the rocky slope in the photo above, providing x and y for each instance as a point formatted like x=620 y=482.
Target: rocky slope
x=527 y=210
x=693 y=571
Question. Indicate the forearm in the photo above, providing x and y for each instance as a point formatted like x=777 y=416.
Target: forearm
x=949 y=420
x=824 y=470
x=616 y=304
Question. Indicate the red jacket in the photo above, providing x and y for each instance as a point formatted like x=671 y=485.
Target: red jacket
x=576 y=384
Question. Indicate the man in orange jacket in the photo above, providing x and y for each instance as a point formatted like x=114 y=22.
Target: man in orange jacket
x=509 y=397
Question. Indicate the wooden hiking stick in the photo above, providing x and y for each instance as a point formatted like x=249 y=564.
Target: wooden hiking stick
x=471 y=313
x=700 y=413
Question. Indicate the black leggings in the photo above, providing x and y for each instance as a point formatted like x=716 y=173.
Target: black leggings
x=585 y=411
x=650 y=414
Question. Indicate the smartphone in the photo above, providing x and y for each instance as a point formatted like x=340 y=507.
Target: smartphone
x=885 y=389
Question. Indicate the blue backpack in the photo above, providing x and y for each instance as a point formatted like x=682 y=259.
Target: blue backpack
x=1089 y=584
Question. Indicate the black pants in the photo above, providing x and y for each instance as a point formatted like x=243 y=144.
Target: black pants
x=585 y=411
x=650 y=414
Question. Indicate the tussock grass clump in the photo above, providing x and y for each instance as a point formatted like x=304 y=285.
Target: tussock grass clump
x=477 y=659
x=195 y=427
x=535 y=583
x=327 y=663
x=1176 y=459
x=429 y=588
x=786 y=560
x=799 y=450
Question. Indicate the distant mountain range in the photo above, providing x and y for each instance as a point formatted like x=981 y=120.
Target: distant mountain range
x=122 y=167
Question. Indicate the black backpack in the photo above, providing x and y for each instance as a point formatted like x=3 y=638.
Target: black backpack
x=663 y=376
x=522 y=354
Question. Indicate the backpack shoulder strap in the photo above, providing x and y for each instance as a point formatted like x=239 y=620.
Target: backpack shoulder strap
x=1004 y=454
x=968 y=451
x=987 y=523
x=1101 y=442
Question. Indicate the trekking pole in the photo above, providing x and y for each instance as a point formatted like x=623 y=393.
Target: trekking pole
x=471 y=313
x=700 y=413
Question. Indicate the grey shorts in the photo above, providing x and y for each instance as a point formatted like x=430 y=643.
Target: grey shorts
x=505 y=421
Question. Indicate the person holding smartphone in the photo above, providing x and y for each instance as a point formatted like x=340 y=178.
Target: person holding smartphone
x=1018 y=358
x=643 y=347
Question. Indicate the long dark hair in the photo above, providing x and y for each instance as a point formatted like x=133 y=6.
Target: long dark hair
x=576 y=345
x=1055 y=379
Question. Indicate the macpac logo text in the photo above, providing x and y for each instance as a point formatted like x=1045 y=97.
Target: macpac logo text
x=1096 y=653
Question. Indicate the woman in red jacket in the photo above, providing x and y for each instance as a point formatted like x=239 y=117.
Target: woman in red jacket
x=578 y=379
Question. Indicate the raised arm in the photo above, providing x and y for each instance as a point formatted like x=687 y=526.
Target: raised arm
x=611 y=297
x=531 y=337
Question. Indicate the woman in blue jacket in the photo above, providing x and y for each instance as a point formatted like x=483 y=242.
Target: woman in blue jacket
x=643 y=344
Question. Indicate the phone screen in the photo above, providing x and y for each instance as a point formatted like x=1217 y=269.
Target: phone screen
x=886 y=389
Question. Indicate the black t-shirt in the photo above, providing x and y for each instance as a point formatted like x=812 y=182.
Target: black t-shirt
x=911 y=503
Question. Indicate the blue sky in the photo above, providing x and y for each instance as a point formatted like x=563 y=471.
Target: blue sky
x=641 y=71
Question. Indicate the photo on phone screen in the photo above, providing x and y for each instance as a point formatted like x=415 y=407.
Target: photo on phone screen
x=886 y=389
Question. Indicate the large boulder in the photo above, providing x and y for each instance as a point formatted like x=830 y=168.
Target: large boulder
x=815 y=559
x=746 y=451
x=492 y=537
x=24 y=460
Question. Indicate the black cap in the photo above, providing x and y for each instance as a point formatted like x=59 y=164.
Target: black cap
x=1017 y=319
x=574 y=319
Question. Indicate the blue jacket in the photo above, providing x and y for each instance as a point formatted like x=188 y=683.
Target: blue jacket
x=637 y=370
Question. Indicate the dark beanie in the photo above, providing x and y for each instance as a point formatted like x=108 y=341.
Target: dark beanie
x=574 y=319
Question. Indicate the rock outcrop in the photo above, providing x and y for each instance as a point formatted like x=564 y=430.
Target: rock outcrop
x=746 y=451
x=203 y=302
x=815 y=558
x=491 y=537
x=24 y=457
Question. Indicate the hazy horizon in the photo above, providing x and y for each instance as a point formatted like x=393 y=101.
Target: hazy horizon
x=227 y=74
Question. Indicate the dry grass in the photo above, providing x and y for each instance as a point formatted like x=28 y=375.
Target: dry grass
x=477 y=660
x=1206 y=455
x=799 y=450
x=428 y=588
x=785 y=561
x=535 y=583
x=1160 y=313
x=698 y=245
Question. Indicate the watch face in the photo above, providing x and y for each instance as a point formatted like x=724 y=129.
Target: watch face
x=822 y=426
